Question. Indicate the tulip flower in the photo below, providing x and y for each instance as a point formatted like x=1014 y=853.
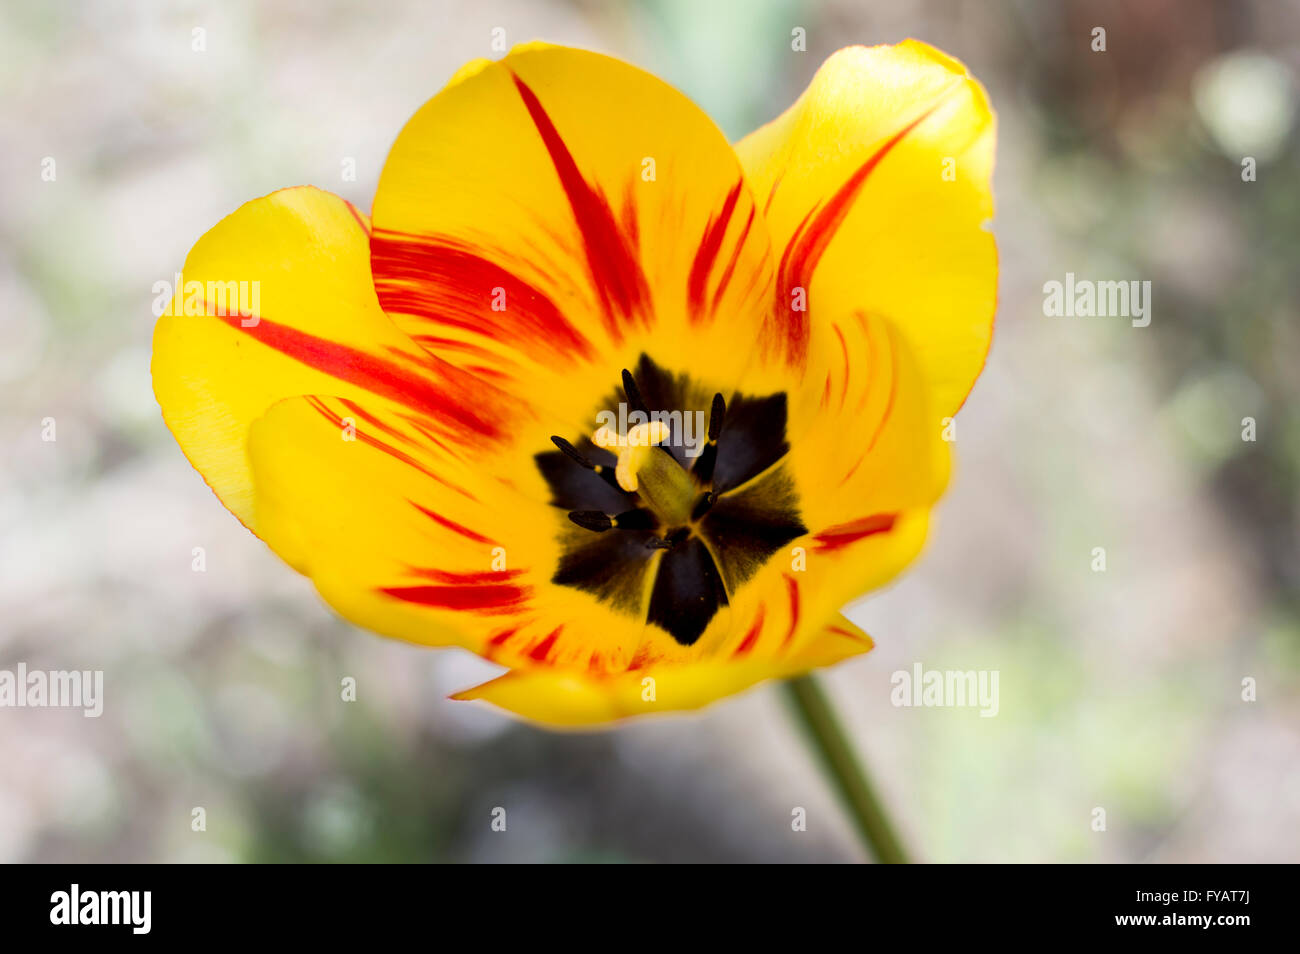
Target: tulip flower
x=624 y=408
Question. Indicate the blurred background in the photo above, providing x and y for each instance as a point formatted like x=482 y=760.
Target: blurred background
x=1119 y=689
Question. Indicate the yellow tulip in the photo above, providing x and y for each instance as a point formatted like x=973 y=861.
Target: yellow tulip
x=417 y=417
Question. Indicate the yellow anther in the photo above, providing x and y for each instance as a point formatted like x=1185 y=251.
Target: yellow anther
x=633 y=449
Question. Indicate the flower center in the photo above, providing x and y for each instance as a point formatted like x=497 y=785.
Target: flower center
x=698 y=499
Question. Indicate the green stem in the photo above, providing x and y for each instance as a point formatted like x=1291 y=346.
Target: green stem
x=836 y=753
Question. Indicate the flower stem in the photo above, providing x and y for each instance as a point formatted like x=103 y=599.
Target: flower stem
x=836 y=753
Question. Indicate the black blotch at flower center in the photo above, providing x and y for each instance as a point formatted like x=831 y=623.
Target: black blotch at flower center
x=742 y=505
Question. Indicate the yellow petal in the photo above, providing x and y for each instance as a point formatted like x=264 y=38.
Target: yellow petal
x=303 y=257
x=866 y=461
x=868 y=440
x=574 y=701
x=876 y=189
x=413 y=539
x=401 y=533
x=547 y=218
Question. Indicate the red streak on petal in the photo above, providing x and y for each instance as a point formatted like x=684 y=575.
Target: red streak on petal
x=889 y=402
x=893 y=391
x=810 y=240
x=631 y=227
x=449 y=283
x=730 y=270
x=771 y=193
x=487 y=600
x=493 y=646
x=784 y=317
x=357 y=215
x=752 y=636
x=485 y=372
x=614 y=269
x=371 y=441
x=436 y=343
x=792 y=586
x=542 y=649
x=852 y=470
x=419 y=392
x=374 y=421
x=466 y=579
x=843 y=534
x=844 y=350
x=451 y=525
x=710 y=245
x=640 y=659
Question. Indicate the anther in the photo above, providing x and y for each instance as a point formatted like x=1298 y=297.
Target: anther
x=704 y=464
x=605 y=473
x=592 y=520
x=717 y=412
x=634 y=399
x=634 y=519
x=572 y=453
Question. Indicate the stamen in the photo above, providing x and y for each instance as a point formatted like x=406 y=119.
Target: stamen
x=600 y=470
x=599 y=521
x=704 y=464
x=717 y=412
x=592 y=520
x=634 y=399
x=573 y=454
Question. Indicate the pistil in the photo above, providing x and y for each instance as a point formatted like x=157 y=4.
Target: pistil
x=649 y=471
